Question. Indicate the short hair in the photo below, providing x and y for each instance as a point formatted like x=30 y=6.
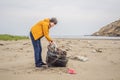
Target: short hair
x=54 y=20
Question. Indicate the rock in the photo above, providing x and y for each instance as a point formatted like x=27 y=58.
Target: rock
x=67 y=49
x=93 y=51
x=97 y=50
x=112 y=29
x=1 y=44
x=26 y=44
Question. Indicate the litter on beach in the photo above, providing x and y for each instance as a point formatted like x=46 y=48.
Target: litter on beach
x=71 y=71
x=79 y=58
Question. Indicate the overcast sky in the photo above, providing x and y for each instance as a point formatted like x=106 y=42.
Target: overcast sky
x=76 y=17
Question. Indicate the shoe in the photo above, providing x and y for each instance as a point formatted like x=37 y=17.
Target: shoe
x=38 y=65
x=43 y=63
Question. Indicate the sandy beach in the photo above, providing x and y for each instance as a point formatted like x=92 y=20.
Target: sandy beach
x=17 y=60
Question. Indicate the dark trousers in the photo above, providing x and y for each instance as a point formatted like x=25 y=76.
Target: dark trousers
x=37 y=50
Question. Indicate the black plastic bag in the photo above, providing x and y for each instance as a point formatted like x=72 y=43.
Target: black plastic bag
x=56 y=57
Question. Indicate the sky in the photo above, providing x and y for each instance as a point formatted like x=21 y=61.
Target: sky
x=75 y=17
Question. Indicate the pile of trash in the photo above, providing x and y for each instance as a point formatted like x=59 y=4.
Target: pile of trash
x=56 y=57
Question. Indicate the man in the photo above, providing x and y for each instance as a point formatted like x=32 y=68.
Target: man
x=39 y=30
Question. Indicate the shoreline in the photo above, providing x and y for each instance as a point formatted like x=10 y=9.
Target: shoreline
x=90 y=38
x=67 y=39
x=85 y=39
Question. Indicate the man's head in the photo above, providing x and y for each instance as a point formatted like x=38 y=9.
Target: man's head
x=53 y=22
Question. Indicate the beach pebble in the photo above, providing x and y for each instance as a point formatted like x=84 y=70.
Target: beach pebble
x=93 y=51
x=97 y=50
x=1 y=44
x=67 y=49
x=26 y=44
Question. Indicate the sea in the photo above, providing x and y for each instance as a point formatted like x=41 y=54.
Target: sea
x=86 y=37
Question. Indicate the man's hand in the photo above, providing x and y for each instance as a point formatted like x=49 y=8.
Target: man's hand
x=51 y=42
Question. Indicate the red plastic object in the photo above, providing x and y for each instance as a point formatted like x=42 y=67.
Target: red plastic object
x=71 y=71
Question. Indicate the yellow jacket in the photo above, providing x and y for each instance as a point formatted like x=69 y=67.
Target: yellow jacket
x=41 y=29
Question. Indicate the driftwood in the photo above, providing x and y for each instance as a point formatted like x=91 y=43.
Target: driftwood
x=56 y=57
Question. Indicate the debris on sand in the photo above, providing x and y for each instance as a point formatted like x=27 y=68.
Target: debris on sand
x=79 y=58
x=71 y=71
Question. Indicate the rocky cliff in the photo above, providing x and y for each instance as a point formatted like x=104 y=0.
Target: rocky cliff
x=112 y=29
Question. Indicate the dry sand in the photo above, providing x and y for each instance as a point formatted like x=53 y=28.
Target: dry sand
x=17 y=60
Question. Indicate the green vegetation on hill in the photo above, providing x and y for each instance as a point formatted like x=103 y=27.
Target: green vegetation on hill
x=11 y=37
